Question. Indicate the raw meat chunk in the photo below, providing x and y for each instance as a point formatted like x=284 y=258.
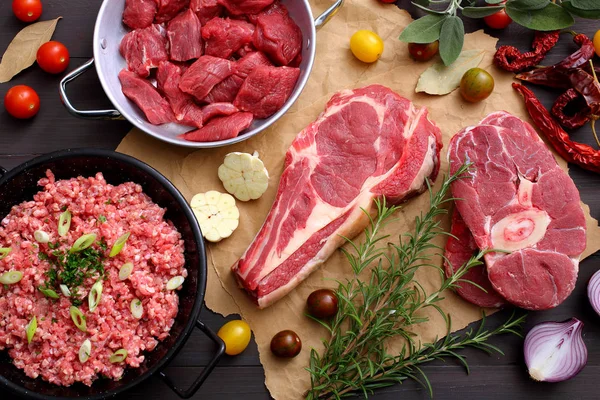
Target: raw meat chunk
x=185 y=109
x=206 y=9
x=278 y=36
x=519 y=200
x=204 y=74
x=185 y=41
x=242 y=7
x=139 y=14
x=144 y=49
x=168 y=9
x=224 y=36
x=217 y=110
x=367 y=144
x=146 y=97
x=460 y=247
x=221 y=128
x=226 y=91
x=266 y=90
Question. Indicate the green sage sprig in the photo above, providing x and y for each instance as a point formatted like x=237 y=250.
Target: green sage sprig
x=387 y=305
x=442 y=22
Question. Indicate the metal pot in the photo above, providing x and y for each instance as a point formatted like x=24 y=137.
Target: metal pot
x=109 y=32
x=20 y=184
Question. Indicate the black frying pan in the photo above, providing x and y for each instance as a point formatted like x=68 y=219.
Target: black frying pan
x=20 y=184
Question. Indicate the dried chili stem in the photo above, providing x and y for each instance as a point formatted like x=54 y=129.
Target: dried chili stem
x=594 y=117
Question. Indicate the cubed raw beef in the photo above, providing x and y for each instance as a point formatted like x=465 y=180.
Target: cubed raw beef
x=266 y=90
x=221 y=128
x=204 y=74
x=144 y=49
x=185 y=41
x=206 y=9
x=224 y=36
x=276 y=7
x=241 y=7
x=139 y=13
x=278 y=36
x=185 y=109
x=146 y=97
x=216 y=110
x=168 y=9
x=229 y=88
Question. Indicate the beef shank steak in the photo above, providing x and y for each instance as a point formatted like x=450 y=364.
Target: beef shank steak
x=517 y=199
x=369 y=143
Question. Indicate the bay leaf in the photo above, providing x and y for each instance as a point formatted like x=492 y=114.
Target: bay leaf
x=441 y=79
x=21 y=52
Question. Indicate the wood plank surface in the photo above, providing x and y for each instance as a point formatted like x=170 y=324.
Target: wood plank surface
x=497 y=377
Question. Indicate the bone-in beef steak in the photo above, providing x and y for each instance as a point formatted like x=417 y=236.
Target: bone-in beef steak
x=367 y=144
x=519 y=200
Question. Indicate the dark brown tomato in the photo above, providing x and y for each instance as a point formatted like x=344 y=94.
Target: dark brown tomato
x=476 y=85
x=423 y=51
x=286 y=344
x=322 y=304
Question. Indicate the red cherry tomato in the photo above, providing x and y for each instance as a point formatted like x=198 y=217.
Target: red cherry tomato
x=499 y=20
x=27 y=10
x=22 y=102
x=53 y=57
x=423 y=51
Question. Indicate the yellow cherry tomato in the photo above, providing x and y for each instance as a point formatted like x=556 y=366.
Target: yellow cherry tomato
x=236 y=335
x=367 y=46
x=597 y=42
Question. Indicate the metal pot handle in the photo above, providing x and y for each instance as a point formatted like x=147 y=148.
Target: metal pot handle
x=187 y=393
x=88 y=114
x=328 y=14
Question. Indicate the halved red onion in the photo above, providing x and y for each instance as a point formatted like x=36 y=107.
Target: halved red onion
x=593 y=291
x=555 y=351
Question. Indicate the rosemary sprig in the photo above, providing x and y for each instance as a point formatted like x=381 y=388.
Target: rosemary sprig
x=387 y=305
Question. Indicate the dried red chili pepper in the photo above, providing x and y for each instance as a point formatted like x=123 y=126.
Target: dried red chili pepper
x=556 y=75
x=511 y=59
x=586 y=85
x=577 y=153
x=577 y=120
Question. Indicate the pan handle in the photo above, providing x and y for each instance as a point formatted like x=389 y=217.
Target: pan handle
x=328 y=14
x=88 y=114
x=187 y=393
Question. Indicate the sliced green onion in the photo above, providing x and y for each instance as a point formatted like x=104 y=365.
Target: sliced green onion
x=175 y=282
x=118 y=246
x=137 y=309
x=4 y=251
x=95 y=296
x=41 y=236
x=83 y=242
x=31 y=328
x=10 y=277
x=49 y=293
x=118 y=356
x=85 y=351
x=78 y=318
x=125 y=271
x=65 y=290
x=64 y=223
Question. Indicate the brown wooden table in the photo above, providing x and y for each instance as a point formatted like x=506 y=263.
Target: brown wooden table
x=495 y=377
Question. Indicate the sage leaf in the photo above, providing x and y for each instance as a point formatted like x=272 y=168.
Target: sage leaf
x=440 y=79
x=480 y=12
x=424 y=3
x=452 y=37
x=494 y=1
x=592 y=5
x=527 y=5
x=589 y=14
x=429 y=10
x=550 y=18
x=21 y=52
x=423 y=30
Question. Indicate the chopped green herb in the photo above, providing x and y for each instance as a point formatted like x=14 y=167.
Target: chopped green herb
x=142 y=216
x=54 y=320
x=102 y=218
x=63 y=208
x=38 y=352
x=6 y=287
x=109 y=201
x=46 y=220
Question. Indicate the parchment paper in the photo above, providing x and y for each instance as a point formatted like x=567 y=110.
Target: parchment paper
x=335 y=69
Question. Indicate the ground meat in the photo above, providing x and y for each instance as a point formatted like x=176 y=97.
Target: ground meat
x=154 y=247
